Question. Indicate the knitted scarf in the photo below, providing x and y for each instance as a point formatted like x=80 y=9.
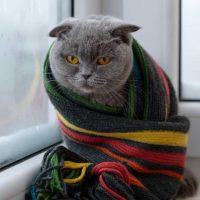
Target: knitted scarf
x=146 y=138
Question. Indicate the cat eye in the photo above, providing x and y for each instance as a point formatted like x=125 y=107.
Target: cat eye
x=103 y=61
x=72 y=60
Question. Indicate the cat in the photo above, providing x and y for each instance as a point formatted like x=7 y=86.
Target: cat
x=92 y=81
x=93 y=58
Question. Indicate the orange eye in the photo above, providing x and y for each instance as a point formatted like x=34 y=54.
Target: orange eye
x=103 y=61
x=72 y=60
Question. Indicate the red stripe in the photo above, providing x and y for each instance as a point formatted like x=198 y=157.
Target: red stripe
x=138 y=167
x=131 y=164
x=176 y=159
x=114 y=167
x=165 y=83
x=119 y=170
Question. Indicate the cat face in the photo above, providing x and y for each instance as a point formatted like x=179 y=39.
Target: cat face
x=92 y=55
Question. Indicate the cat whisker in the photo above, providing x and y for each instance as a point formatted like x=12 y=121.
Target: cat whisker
x=112 y=98
x=121 y=100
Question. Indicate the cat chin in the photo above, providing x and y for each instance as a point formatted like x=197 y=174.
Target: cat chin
x=87 y=90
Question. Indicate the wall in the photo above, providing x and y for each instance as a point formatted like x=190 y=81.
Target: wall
x=112 y=7
x=159 y=35
x=156 y=19
x=83 y=8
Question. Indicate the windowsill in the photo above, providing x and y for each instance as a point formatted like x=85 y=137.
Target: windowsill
x=14 y=180
x=194 y=165
x=18 y=145
x=190 y=109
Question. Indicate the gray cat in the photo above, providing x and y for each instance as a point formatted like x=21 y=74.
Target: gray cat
x=93 y=57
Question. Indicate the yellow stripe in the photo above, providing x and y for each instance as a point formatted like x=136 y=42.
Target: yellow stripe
x=170 y=138
x=73 y=165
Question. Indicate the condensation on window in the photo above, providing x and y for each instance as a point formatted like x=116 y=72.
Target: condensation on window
x=27 y=121
x=24 y=27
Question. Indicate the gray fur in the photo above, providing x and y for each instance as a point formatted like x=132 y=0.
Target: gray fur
x=89 y=39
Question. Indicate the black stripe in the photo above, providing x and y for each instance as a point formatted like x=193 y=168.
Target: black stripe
x=89 y=119
x=160 y=187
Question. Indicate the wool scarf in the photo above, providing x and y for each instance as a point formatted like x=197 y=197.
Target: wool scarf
x=145 y=140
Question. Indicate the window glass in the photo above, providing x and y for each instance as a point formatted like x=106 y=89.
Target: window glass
x=190 y=50
x=24 y=27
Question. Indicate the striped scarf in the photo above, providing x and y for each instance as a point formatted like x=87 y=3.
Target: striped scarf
x=148 y=139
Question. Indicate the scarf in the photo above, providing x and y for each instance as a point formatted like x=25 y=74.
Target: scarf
x=137 y=152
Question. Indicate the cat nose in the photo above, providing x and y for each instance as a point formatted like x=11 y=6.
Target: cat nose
x=86 y=76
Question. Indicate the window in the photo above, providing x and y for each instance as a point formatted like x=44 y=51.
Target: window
x=26 y=120
x=190 y=51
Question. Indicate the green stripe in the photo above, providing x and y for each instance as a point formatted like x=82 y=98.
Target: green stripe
x=92 y=105
x=73 y=174
x=55 y=182
x=51 y=87
x=138 y=51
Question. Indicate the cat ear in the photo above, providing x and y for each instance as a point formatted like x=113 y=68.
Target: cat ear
x=64 y=27
x=123 y=31
x=58 y=30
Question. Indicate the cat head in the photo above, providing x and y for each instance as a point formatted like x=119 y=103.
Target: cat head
x=92 y=55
